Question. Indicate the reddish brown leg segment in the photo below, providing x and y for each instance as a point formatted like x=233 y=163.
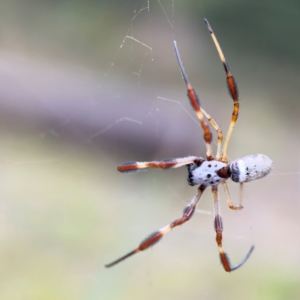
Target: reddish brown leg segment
x=219 y=133
x=219 y=229
x=196 y=105
x=156 y=236
x=135 y=166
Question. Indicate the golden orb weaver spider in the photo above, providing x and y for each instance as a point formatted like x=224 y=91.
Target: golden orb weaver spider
x=210 y=172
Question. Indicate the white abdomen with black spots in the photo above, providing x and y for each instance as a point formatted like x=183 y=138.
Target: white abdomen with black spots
x=205 y=174
x=250 y=167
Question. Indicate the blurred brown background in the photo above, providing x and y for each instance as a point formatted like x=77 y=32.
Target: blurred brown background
x=79 y=95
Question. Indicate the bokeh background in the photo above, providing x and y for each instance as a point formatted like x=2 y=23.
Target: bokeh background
x=86 y=85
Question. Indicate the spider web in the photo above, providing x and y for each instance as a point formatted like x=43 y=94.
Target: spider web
x=87 y=86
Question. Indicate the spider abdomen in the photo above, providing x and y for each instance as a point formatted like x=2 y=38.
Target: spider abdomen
x=250 y=167
x=205 y=173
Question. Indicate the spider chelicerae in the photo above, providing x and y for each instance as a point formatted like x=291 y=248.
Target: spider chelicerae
x=210 y=172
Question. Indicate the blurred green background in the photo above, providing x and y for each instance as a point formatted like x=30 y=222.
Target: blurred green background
x=86 y=85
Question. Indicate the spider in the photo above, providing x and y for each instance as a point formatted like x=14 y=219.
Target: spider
x=210 y=172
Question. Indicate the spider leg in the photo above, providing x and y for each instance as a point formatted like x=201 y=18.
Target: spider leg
x=219 y=133
x=135 y=166
x=229 y=203
x=241 y=193
x=233 y=92
x=157 y=235
x=191 y=93
x=219 y=228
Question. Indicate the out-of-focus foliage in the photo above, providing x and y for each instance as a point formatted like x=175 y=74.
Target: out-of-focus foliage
x=86 y=85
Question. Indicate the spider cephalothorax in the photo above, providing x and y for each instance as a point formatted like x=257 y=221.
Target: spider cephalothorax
x=206 y=173
x=210 y=172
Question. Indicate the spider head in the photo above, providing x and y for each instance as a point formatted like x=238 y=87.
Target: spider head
x=206 y=173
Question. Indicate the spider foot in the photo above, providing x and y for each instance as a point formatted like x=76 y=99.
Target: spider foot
x=226 y=262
